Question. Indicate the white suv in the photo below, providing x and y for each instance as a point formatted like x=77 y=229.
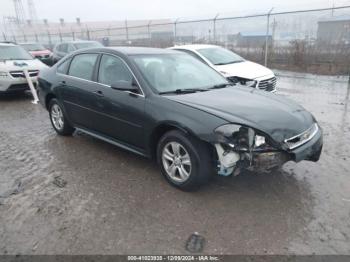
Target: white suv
x=13 y=60
x=232 y=66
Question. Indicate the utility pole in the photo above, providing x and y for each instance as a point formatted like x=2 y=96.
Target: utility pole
x=32 y=11
x=274 y=25
x=267 y=34
x=149 y=30
x=126 y=30
x=214 y=27
x=175 y=30
x=19 y=10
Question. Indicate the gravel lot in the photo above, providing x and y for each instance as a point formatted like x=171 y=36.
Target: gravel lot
x=115 y=202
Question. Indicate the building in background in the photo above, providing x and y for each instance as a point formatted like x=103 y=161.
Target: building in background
x=253 y=40
x=334 y=31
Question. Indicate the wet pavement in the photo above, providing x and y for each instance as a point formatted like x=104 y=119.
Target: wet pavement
x=78 y=195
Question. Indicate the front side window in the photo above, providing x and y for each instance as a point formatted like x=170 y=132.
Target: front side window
x=170 y=72
x=220 y=56
x=14 y=53
x=113 y=70
x=83 y=66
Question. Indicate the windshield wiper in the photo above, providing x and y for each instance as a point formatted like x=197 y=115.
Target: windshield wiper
x=228 y=63
x=184 y=91
x=220 y=86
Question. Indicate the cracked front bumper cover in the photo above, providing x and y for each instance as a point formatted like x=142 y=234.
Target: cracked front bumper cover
x=265 y=161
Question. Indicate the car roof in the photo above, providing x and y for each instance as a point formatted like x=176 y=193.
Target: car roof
x=194 y=47
x=128 y=50
x=77 y=41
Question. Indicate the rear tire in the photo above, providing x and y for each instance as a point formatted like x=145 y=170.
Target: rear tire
x=184 y=160
x=58 y=119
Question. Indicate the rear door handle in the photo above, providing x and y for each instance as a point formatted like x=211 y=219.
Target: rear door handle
x=99 y=93
x=63 y=83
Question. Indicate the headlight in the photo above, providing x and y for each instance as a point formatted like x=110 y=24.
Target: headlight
x=236 y=136
x=241 y=138
x=248 y=82
x=3 y=74
x=242 y=81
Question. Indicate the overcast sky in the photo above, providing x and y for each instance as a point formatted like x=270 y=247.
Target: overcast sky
x=94 y=10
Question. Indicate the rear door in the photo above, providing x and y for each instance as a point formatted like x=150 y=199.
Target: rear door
x=79 y=91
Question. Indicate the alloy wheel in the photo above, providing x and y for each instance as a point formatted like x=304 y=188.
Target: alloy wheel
x=176 y=162
x=57 y=117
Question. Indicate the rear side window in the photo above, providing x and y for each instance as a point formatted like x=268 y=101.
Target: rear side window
x=63 y=48
x=70 y=48
x=63 y=67
x=83 y=66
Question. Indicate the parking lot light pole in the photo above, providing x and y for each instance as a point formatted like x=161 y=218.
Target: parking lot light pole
x=267 y=35
x=149 y=31
x=214 y=27
x=49 y=38
x=126 y=30
x=175 y=30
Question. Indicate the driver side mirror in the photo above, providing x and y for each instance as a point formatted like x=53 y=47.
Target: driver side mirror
x=125 y=86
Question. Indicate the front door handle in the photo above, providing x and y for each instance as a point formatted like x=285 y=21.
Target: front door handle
x=99 y=93
x=63 y=83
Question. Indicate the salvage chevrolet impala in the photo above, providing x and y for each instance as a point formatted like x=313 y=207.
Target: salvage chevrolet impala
x=169 y=106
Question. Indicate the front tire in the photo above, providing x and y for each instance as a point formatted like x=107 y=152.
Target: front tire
x=58 y=119
x=184 y=160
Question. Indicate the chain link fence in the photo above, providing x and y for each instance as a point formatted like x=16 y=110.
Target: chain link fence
x=316 y=40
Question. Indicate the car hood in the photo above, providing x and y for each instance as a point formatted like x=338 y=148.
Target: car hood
x=276 y=116
x=245 y=69
x=16 y=65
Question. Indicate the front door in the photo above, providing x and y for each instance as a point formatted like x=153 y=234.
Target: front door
x=122 y=111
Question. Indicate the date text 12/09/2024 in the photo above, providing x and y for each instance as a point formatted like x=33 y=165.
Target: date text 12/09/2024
x=174 y=258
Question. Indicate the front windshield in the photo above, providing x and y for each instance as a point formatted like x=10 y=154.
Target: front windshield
x=220 y=56
x=170 y=72
x=14 y=53
x=33 y=47
x=87 y=45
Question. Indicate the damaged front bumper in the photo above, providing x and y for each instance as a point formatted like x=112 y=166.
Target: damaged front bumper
x=231 y=160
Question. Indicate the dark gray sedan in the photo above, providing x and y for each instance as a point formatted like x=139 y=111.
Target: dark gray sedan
x=166 y=105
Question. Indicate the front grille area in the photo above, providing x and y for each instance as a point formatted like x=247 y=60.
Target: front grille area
x=268 y=84
x=20 y=74
x=302 y=138
x=19 y=87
